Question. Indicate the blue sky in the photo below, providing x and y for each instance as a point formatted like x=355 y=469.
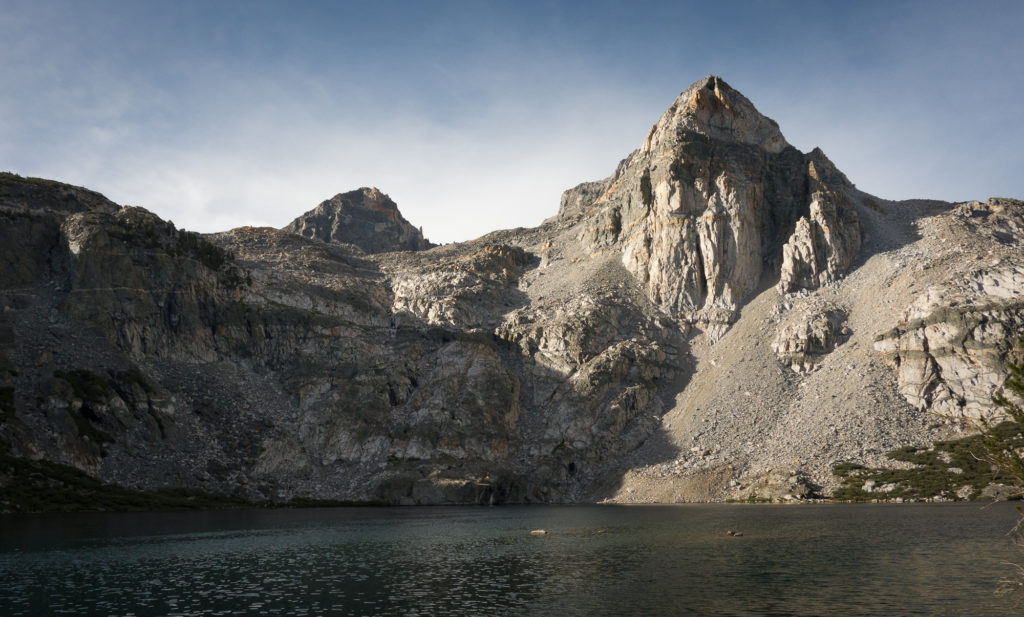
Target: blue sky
x=474 y=116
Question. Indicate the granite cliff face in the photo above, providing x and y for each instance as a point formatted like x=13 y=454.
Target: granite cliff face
x=713 y=202
x=952 y=342
x=723 y=317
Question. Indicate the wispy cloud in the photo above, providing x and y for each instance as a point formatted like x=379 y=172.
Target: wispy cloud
x=475 y=117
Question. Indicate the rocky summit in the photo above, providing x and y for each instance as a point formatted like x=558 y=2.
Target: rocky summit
x=366 y=218
x=723 y=317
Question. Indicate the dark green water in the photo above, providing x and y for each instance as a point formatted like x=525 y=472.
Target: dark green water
x=843 y=560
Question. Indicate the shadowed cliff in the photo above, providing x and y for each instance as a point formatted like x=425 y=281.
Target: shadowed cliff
x=719 y=318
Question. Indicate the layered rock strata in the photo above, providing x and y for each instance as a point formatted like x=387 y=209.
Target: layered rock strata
x=951 y=345
x=267 y=365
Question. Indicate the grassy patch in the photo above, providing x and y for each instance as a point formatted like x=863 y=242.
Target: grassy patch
x=42 y=486
x=956 y=470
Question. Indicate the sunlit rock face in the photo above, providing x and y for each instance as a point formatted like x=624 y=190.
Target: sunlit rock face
x=951 y=346
x=707 y=206
x=808 y=333
x=712 y=321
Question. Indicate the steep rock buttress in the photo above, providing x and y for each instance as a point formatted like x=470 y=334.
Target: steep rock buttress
x=714 y=200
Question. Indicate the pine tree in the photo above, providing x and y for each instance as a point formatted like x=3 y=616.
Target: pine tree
x=1003 y=441
x=1006 y=451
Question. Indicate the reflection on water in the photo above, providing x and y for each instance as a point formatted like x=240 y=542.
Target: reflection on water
x=670 y=560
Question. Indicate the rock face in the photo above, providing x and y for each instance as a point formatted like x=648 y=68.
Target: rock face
x=464 y=291
x=266 y=365
x=712 y=321
x=701 y=211
x=807 y=334
x=366 y=218
x=825 y=242
x=952 y=343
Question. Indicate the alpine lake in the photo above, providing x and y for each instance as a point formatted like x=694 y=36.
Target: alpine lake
x=818 y=559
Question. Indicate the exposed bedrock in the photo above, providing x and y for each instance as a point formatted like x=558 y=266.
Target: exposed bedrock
x=366 y=218
x=952 y=344
x=703 y=210
x=807 y=334
x=697 y=326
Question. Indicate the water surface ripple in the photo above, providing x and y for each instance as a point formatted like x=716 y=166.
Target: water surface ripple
x=820 y=560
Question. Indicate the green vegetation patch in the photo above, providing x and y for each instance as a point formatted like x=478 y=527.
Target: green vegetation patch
x=42 y=486
x=956 y=470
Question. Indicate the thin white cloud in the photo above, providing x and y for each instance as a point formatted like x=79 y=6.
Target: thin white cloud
x=471 y=139
x=456 y=183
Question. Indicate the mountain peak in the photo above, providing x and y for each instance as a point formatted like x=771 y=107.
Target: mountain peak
x=712 y=201
x=363 y=197
x=712 y=108
x=365 y=217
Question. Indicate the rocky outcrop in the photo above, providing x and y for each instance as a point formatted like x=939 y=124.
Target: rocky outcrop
x=824 y=243
x=337 y=359
x=595 y=366
x=464 y=291
x=807 y=334
x=775 y=486
x=262 y=364
x=366 y=218
x=701 y=211
x=951 y=347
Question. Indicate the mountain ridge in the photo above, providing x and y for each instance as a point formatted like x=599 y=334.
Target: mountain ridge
x=724 y=317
